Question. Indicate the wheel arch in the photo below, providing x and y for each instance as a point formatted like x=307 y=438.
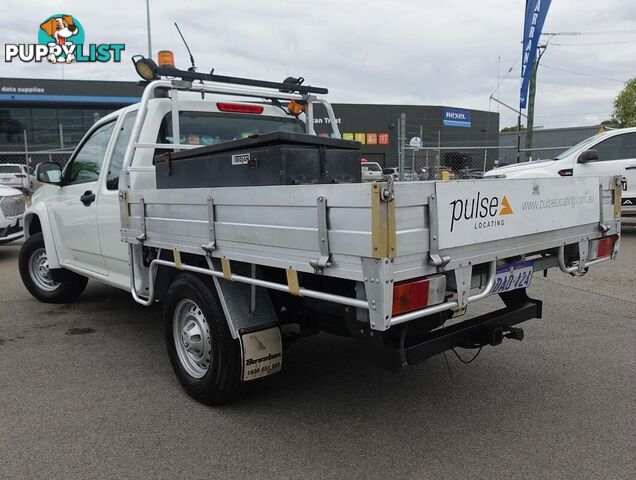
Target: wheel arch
x=36 y=220
x=234 y=296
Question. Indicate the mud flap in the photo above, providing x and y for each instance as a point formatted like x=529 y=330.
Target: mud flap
x=262 y=353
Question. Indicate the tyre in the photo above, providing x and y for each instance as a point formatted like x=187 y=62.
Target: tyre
x=203 y=354
x=38 y=278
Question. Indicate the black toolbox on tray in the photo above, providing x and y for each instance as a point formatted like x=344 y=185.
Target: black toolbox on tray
x=277 y=158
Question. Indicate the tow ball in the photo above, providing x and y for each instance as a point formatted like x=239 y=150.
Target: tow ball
x=496 y=335
x=514 y=333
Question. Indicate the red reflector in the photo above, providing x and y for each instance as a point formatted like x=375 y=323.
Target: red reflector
x=605 y=247
x=409 y=296
x=240 y=108
x=20 y=175
x=566 y=172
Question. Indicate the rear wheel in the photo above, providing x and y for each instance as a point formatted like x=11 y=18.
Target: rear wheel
x=38 y=279
x=204 y=356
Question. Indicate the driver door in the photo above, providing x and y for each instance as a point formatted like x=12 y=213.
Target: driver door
x=74 y=209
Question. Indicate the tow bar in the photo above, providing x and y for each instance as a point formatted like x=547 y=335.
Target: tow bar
x=488 y=329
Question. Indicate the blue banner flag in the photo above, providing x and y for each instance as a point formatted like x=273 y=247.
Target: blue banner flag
x=536 y=11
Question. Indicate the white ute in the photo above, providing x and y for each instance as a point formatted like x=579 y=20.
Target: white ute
x=242 y=271
x=608 y=153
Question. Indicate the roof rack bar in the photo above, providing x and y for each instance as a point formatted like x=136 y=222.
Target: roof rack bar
x=210 y=77
x=233 y=90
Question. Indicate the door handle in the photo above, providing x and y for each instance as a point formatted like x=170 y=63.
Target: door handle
x=87 y=198
x=631 y=167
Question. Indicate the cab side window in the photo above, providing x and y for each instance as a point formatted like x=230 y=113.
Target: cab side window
x=119 y=150
x=617 y=148
x=87 y=163
x=628 y=147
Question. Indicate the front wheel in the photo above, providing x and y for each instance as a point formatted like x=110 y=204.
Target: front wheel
x=203 y=354
x=38 y=278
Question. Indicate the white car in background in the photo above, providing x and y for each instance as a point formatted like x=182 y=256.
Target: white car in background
x=371 y=171
x=12 y=207
x=392 y=171
x=17 y=176
x=605 y=154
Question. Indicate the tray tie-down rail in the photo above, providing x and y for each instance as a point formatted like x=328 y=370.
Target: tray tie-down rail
x=376 y=308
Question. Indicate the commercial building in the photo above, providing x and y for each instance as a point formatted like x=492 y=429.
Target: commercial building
x=53 y=115
x=384 y=129
x=38 y=115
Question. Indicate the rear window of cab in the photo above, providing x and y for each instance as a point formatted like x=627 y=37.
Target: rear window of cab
x=211 y=128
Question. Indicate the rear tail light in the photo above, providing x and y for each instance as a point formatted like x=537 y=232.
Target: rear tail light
x=602 y=248
x=240 y=108
x=418 y=293
x=20 y=175
x=566 y=172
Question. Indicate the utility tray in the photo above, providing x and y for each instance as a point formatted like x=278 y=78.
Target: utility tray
x=277 y=158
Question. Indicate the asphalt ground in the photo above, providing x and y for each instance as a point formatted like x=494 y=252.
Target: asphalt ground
x=86 y=391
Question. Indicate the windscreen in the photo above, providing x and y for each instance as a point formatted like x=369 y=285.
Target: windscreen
x=371 y=167
x=577 y=146
x=9 y=169
x=211 y=128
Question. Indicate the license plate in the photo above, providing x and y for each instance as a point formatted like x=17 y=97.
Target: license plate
x=512 y=277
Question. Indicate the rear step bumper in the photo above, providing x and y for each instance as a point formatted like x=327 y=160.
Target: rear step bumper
x=488 y=329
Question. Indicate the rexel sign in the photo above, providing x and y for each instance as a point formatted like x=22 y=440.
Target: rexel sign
x=455 y=117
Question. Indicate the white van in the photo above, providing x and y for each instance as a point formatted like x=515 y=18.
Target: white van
x=608 y=153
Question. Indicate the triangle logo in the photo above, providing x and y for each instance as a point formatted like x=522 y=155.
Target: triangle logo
x=505 y=207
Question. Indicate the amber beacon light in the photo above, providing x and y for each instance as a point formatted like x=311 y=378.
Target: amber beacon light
x=165 y=59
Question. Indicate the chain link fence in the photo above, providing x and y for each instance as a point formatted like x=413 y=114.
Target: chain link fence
x=423 y=153
x=35 y=135
x=32 y=157
x=436 y=154
x=428 y=154
x=447 y=161
x=31 y=147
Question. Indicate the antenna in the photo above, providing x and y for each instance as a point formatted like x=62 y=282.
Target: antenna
x=193 y=68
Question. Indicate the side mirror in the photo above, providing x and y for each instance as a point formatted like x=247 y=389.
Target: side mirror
x=588 y=156
x=49 y=172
